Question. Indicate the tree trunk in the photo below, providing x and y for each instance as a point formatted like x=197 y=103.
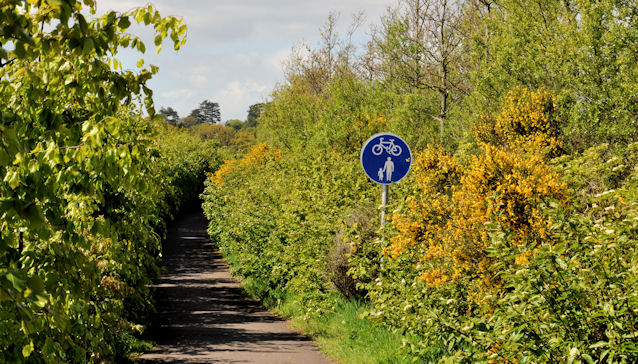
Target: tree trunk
x=443 y=92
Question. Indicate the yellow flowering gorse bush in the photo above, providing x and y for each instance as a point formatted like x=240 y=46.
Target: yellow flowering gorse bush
x=434 y=174
x=447 y=221
x=527 y=121
x=257 y=155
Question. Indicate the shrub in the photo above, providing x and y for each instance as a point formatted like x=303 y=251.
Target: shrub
x=439 y=277
x=527 y=120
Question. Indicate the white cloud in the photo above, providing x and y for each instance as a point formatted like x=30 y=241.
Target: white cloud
x=275 y=61
x=177 y=94
x=201 y=69
x=234 y=96
x=179 y=99
x=236 y=48
x=197 y=80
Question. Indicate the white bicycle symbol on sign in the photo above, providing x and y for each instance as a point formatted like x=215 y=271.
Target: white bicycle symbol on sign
x=389 y=147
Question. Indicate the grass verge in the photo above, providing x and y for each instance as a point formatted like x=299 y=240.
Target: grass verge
x=344 y=335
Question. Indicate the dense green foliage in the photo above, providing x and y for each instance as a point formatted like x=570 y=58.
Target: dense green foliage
x=513 y=240
x=86 y=181
x=488 y=262
x=584 y=51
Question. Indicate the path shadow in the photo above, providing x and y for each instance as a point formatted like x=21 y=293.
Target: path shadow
x=202 y=311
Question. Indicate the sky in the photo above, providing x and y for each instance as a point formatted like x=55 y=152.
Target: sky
x=236 y=49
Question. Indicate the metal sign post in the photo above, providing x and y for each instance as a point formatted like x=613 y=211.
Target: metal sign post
x=385 y=159
x=384 y=202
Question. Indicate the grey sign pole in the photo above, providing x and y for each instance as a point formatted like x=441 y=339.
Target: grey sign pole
x=384 y=202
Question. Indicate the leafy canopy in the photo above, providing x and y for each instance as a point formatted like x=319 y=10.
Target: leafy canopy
x=79 y=194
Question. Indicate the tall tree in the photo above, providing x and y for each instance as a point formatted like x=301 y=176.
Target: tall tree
x=208 y=112
x=334 y=56
x=253 y=114
x=170 y=114
x=419 y=46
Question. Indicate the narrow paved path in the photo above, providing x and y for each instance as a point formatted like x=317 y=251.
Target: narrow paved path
x=203 y=316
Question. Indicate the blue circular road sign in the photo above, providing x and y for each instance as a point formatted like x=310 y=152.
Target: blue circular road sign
x=386 y=158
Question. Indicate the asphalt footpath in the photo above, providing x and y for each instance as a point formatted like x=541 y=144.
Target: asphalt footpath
x=203 y=315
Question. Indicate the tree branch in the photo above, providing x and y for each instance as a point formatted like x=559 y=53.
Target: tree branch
x=7 y=62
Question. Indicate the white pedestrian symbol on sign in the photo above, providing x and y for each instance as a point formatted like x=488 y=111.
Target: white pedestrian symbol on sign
x=388 y=168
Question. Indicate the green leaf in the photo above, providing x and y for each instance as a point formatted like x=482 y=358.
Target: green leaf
x=27 y=349
x=13 y=179
x=4 y=157
x=35 y=216
x=588 y=358
x=26 y=37
x=55 y=4
x=88 y=46
x=17 y=280
x=561 y=263
x=124 y=22
x=84 y=27
x=147 y=18
x=181 y=30
x=110 y=18
x=573 y=352
x=19 y=50
x=36 y=283
x=598 y=345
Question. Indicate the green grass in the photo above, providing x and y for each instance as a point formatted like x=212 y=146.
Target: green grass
x=130 y=346
x=347 y=337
